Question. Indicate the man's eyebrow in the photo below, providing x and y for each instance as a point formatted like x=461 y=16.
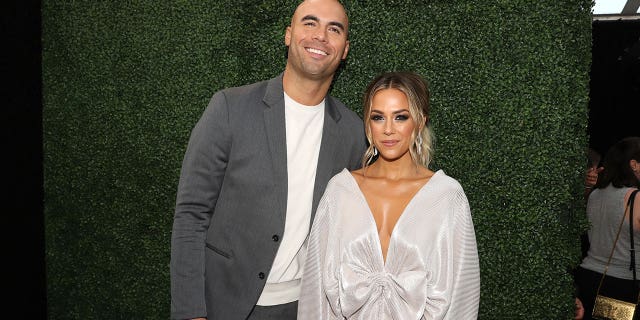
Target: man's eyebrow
x=337 y=24
x=314 y=18
x=310 y=17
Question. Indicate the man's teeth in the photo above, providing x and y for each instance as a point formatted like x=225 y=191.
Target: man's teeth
x=316 y=51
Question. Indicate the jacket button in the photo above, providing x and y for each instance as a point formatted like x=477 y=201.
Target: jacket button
x=275 y=238
x=261 y=275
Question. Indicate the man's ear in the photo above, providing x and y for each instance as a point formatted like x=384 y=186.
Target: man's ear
x=287 y=36
x=346 y=51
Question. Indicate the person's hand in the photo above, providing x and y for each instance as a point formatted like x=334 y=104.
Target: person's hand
x=592 y=177
x=579 y=310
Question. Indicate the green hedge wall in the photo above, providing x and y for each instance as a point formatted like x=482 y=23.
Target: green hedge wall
x=124 y=83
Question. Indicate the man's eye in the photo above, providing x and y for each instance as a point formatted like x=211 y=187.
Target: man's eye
x=335 y=29
x=309 y=23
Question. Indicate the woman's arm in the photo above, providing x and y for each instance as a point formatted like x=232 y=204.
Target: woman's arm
x=314 y=303
x=636 y=210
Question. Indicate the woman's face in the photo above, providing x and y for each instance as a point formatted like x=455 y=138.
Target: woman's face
x=391 y=124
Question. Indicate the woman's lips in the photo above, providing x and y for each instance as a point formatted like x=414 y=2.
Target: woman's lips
x=389 y=143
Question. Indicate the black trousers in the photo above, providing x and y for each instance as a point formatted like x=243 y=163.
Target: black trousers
x=587 y=282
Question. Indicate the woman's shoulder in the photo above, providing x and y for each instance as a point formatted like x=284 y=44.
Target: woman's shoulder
x=630 y=192
x=341 y=180
x=445 y=182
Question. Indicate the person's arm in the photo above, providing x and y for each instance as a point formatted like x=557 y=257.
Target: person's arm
x=456 y=291
x=203 y=169
x=315 y=303
x=636 y=212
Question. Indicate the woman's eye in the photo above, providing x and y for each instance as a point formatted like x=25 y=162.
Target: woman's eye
x=402 y=117
x=376 y=118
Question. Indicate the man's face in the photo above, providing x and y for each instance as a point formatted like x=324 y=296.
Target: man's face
x=317 y=39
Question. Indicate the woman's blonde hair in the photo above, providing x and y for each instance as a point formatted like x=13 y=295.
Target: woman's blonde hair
x=417 y=92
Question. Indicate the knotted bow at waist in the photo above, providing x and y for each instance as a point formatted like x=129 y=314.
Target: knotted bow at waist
x=376 y=294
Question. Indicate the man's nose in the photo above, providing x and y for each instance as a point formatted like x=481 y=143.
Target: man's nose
x=320 y=34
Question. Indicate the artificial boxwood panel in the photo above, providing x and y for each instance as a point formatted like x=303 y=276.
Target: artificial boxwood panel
x=124 y=83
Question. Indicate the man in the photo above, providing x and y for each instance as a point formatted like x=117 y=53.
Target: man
x=257 y=163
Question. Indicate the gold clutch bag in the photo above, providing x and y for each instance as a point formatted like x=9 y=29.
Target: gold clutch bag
x=606 y=308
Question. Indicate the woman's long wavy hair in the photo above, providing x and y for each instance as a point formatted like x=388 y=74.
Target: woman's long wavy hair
x=417 y=92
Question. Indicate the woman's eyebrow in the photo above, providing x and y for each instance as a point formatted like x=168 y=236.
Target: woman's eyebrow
x=395 y=112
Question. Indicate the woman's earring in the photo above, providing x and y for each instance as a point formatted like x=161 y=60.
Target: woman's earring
x=375 y=151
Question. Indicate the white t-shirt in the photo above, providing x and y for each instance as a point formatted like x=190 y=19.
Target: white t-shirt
x=304 y=126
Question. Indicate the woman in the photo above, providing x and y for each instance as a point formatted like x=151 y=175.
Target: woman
x=606 y=207
x=393 y=240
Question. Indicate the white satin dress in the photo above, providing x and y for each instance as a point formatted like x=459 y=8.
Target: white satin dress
x=431 y=271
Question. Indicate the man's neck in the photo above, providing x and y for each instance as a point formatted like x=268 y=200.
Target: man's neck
x=303 y=90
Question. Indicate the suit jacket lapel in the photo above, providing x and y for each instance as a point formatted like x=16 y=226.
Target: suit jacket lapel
x=325 y=169
x=275 y=129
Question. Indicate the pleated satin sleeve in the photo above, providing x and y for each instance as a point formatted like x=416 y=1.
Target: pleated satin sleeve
x=431 y=270
x=455 y=292
x=319 y=300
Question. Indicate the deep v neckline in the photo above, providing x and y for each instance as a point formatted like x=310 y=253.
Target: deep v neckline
x=372 y=222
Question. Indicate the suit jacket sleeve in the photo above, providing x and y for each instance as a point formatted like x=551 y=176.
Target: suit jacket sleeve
x=201 y=178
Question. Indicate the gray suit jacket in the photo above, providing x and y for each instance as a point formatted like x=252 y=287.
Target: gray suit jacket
x=232 y=197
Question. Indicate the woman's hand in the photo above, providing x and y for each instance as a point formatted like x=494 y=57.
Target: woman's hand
x=592 y=176
x=579 y=310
